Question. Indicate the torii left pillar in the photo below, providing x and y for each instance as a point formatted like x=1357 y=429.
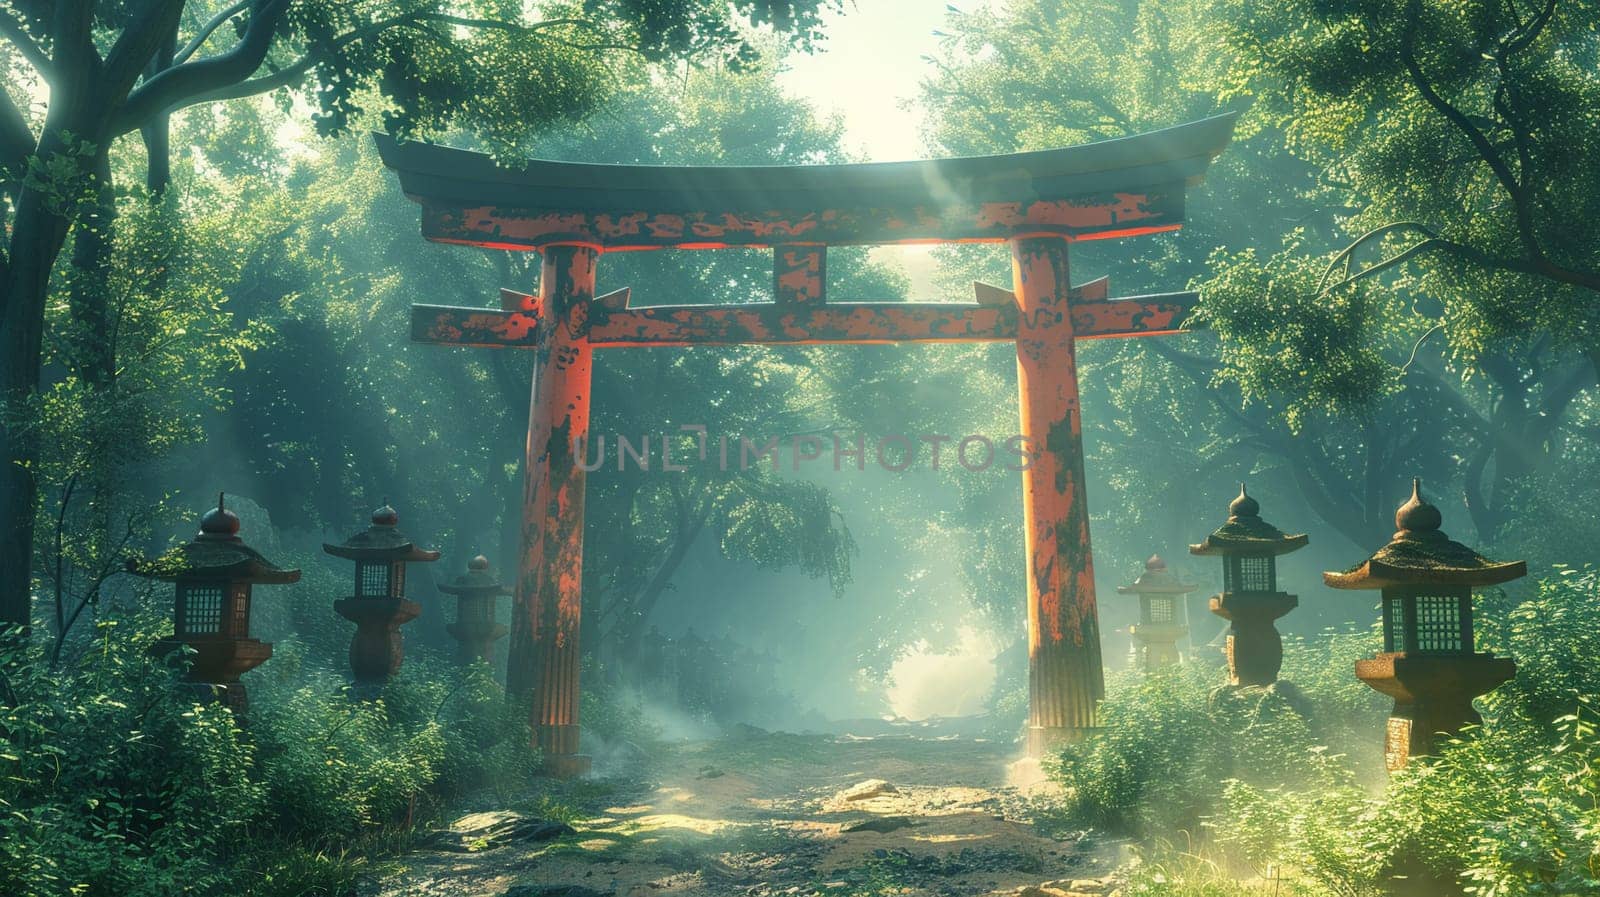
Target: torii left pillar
x=1065 y=677
x=549 y=606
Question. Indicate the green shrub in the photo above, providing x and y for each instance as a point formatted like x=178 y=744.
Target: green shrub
x=1509 y=808
x=112 y=780
x=1170 y=741
x=335 y=768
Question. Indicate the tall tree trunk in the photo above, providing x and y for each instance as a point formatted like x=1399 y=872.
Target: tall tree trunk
x=92 y=358
x=38 y=235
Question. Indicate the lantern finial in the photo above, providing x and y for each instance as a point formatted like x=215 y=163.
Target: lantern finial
x=219 y=522
x=1417 y=520
x=386 y=515
x=1244 y=505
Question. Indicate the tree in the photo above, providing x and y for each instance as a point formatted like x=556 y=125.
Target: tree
x=1463 y=141
x=1321 y=373
x=116 y=68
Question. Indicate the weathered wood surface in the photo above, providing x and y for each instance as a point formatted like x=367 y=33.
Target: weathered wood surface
x=797 y=323
x=1112 y=188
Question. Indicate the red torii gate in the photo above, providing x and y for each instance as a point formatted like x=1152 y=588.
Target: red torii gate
x=1039 y=202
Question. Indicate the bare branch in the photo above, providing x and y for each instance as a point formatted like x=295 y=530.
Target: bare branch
x=16 y=139
x=1416 y=347
x=1530 y=31
x=174 y=87
x=25 y=44
x=208 y=29
x=1377 y=267
x=1346 y=253
x=287 y=76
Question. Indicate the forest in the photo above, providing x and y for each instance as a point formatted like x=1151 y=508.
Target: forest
x=316 y=582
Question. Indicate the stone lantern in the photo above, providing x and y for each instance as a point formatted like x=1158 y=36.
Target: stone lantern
x=1429 y=664
x=1163 y=616
x=475 y=627
x=213 y=573
x=379 y=606
x=1250 y=599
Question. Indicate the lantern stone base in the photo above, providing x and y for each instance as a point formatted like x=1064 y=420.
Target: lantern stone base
x=476 y=640
x=1157 y=643
x=378 y=648
x=216 y=664
x=1254 y=648
x=1432 y=696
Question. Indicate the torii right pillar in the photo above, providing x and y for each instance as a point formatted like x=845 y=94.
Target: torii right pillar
x=1065 y=679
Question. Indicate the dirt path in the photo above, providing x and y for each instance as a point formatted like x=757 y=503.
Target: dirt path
x=762 y=815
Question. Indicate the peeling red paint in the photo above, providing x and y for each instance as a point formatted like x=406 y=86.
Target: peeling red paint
x=881 y=322
x=799 y=273
x=1093 y=216
x=1066 y=678
x=548 y=603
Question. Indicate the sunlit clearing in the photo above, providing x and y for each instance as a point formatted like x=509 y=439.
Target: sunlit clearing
x=924 y=683
x=660 y=821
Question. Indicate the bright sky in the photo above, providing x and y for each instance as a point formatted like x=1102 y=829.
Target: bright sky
x=867 y=70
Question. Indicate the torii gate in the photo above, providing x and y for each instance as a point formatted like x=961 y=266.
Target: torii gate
x=1039 y=202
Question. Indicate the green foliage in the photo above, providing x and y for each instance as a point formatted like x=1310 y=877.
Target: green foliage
x=499 y=70
x=1169 y=744
x=335 y=767
x=1471 y=123
x=1509 y=808
x=114 y=781
x=1286 y=341
x=111 y=780
x=1169 y=872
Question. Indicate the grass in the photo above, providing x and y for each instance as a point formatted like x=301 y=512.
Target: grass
x=1173 y=873
x=298 y=870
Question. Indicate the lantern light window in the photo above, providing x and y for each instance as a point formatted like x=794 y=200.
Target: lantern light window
x=241 y=610
x=372 y=580
x=1161 y=610
x=202 y=609
x=1394 y=623
x=1439 y=624
x=1250 y=573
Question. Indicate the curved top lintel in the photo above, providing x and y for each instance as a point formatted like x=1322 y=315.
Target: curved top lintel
x=1110 y=187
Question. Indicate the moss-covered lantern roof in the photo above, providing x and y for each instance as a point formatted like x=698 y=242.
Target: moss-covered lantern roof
x=476 y=581
x=1420 y=554
x=215 y=552
x=1246 y=533
x=382 y=541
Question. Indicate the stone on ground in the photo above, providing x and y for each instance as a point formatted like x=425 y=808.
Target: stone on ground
x=498 y=828
x=867 y=790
